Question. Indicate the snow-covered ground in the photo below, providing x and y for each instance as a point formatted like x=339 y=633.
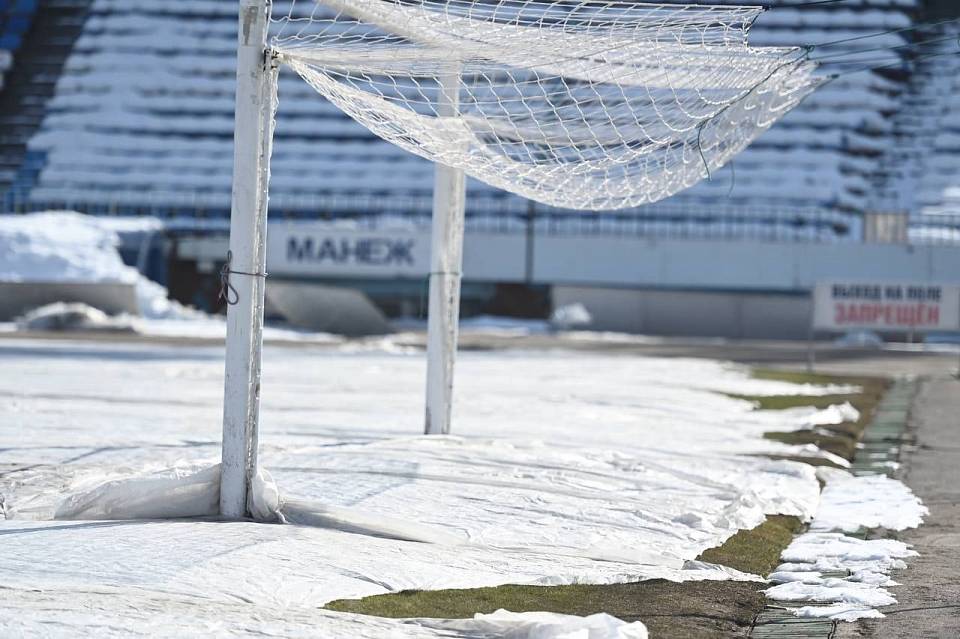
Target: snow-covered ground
x=861 y=567
x=564 y=467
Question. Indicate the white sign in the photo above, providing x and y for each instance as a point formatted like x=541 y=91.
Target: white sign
x=323 y=250
x=886 y=306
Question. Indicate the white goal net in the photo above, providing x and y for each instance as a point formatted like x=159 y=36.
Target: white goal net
x=573 y=103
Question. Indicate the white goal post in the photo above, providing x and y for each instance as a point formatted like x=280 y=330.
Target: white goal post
x=446 y=272
x=244 y=276
x=580 y=104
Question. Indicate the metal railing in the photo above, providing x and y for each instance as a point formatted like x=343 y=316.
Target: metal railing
x=937 y=230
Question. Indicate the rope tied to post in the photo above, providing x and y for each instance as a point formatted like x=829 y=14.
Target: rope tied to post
x=228 y=292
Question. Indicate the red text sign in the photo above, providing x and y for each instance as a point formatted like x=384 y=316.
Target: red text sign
x=841 y=306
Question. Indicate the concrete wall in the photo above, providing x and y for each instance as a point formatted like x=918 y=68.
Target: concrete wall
x=733 y=265
x=715 y=288
x=723 y=288
x=487 y=257
x=605 y=261
x=16 y=298
x=692 y=313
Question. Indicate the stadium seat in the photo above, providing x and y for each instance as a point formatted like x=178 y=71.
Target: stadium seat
x=130 y=120
x=16 y=17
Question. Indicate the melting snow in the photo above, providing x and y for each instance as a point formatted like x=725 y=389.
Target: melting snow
x=547 y=625
x=876 y=501
x=848 y=504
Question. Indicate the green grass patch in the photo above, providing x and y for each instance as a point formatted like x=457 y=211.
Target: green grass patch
x=802 y=377
x=811 y=461
x=693 y=609
x=781 y=402
x=839 y=439
x=758 y=550
x=708 y=609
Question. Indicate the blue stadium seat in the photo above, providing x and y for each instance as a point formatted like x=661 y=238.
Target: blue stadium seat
x=18 y=24
x=24 y=6
x=10 y=41
x=16 y=16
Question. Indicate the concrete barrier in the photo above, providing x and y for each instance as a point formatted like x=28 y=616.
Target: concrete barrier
x=692 y=313
x=113 y=298
x=330 y=309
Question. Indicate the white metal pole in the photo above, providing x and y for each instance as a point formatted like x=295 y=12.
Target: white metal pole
x=244 y=272
x=446 y=264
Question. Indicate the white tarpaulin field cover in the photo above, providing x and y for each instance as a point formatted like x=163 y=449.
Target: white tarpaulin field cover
x=569 y=468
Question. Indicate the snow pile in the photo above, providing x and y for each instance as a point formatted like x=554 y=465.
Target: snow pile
x=834 y=414
x=499 y=325
x=867 y=563
x=857 y=595
x=59 y=246
x=155 y=305
x=76 y=316
x=839 y=612
x=63 y=246
x=876 y=501
x=806 y=417
x=548 y=625
x=570 y=317
x=848 y=504
x=860 y=339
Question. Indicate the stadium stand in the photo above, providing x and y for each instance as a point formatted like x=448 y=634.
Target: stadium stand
x=142 y=121
x=823 y=154
x=919 y=175
x=15 y=19
x=40 y=35
x=936 y=114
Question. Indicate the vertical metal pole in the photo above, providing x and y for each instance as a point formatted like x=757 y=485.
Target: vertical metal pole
x=811 y=356
x=531 y=220
x=446 y=263
x=256 y=95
